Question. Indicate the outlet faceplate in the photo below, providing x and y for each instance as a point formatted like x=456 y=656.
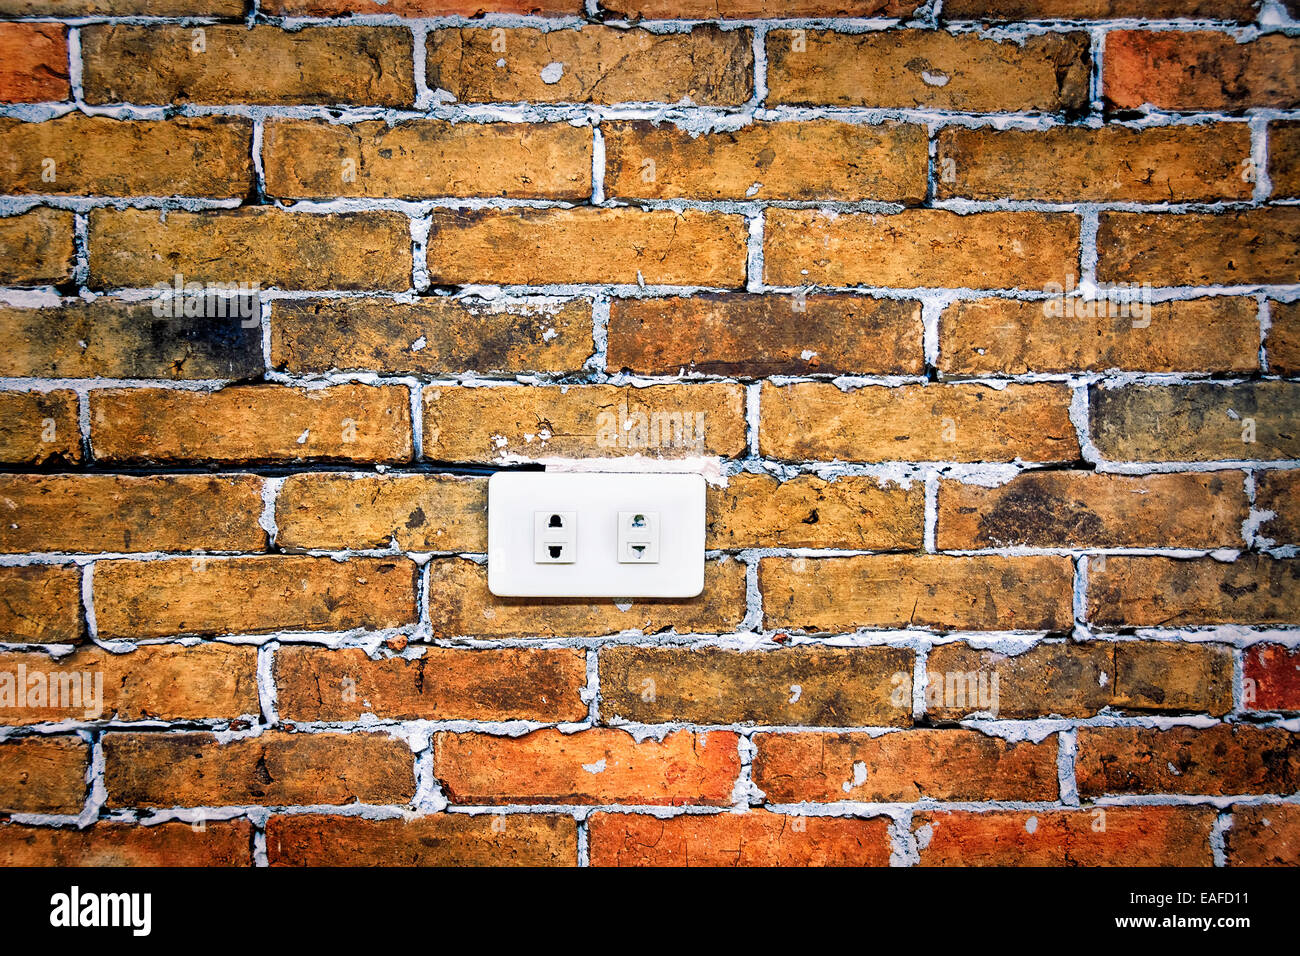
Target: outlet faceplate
x=604 y=550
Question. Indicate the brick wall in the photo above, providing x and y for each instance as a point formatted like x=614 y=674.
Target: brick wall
x=996 y=575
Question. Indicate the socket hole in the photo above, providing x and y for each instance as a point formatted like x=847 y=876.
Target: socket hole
x=555 y=522
x=638 y=521
x=555 y=550
x=638 y=549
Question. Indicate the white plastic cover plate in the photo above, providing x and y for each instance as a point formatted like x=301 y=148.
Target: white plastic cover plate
x=595 y=535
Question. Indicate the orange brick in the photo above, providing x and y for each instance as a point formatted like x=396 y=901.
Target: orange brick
x=430 y=336
x=751 y=336
x=1279 y=492
x=140 y=599
x=906 y=69
x=759 y=511
x=971 y=593
x=252 y=423
x=1063 y=509
x=587 y=245
x=426 y=158
x=1167 y=592
x=1200 y=70
x=1078 y=680
x=154 y=682
x=39 y=427
x=902 y=767
x=318 y=684
x=758 y=9
x=1104 y=836
x=91 y=513
x=1214 y=761
x=1284 y=158
x=35 y=62
x=111 y=338
x=260 y=245
x=583 y=421
x=756 y=838
x=97 y=155
x=461 y=605
x=1243 y=10
x=920 y=248
x=917 y=423
x=820 y=159
x=121 y=8
x=219 y=843
x=1283 y=343
x=1199 y=421
x=159 y=63
x=421 y=8
x=814 y=686
x=1112 y=163
x=38 y=245
x=593 y=64
x=441 y=839
x=418 y=512
x=1012 y=337
x=1263 y=835
x=1196 y=248
x=41 y=604
x=593 y=766
x=43 y=775
x=275 y=769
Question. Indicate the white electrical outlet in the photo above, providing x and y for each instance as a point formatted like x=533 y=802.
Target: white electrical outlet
x=595 y=535
x=638 y=537
x=555 y=537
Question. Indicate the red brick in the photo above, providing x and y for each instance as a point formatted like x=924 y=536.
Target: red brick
x=1200 y=70
x=594 y=766
x=34 y=58
x=1272 y=677
x=1242 y=10
x=756 y=838
x=317 y=684
x=1104 y=836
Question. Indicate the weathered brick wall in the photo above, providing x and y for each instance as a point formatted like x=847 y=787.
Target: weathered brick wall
x=995 y=575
